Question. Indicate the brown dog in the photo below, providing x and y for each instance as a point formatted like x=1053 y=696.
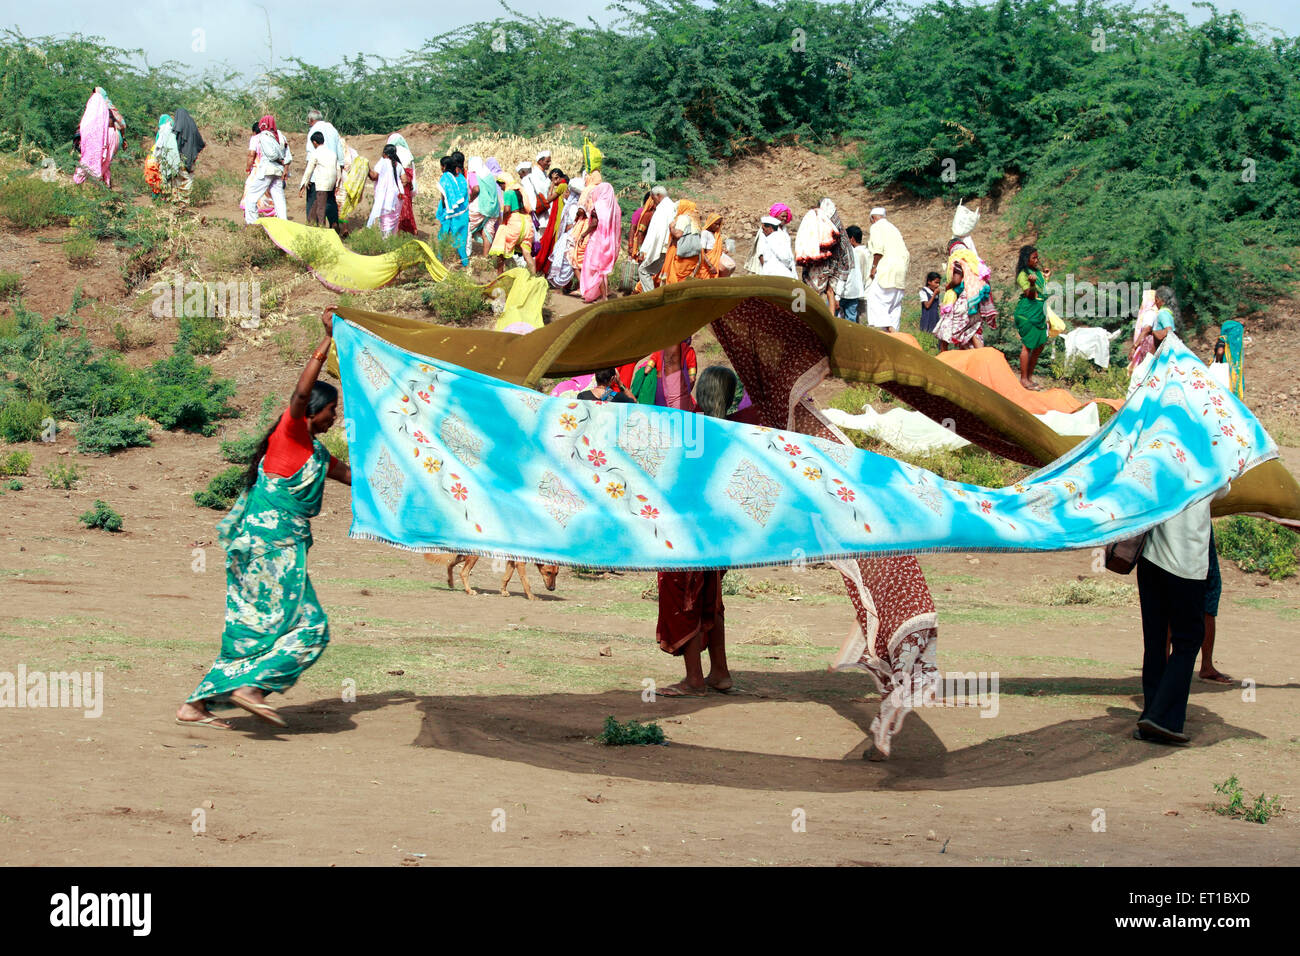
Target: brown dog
x=549 y=572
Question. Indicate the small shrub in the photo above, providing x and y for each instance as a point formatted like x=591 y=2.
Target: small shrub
x=733 y=583
x=134 y=333
x=183 y=394
x=20 y=419
x=102 y=517
x=13 y=484
x=201 y=190
x=632 y=733
x=16 y=463
x=222 y=490
x=1096 y=591
x=103 y=436
x=314 y=249
x=1258 y=545
x=242 y=249
x=455 y=300
x=1260 y=811
x=31 y=203
x=10 y=282
x=203 y=335
x=62 y=476
x=80 y=250
x=369 y=242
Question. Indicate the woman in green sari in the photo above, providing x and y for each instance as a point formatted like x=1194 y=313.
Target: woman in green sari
x=1031 y=316
x=275 y=627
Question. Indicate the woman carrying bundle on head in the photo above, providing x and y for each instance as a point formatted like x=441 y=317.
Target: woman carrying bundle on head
x=275 y=627
x=822 y=248
x=967 y=301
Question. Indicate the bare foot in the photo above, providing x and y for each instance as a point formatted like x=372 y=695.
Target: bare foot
x=683 y=689
x=189 y=713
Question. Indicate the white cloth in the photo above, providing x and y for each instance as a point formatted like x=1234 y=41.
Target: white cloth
x=267 y=141
x=777 y=253
x=657 y=234
x=540 y=185
x=1090 y=342
x=1182 y=544
x=854 y=285
x=912 y=433
x=1221 y=373
x=886 y=241
x=388 y=193
x=884 y=306
x=333 y=141
x=322 y=169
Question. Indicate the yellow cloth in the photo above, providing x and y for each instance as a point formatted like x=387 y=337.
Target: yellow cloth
x=525 y=296
x=343 y=270
x=354 y=186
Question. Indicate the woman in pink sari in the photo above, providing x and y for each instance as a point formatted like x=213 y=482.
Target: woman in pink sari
x=604 y=234
x=101 y=135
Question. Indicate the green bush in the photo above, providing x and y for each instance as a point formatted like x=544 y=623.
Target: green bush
x=203 y=335
x=103 y=436
x=222 y=490
x=80 y=249
x=370 y=242
x=13 y=484
x=62 y=476
x=1260 y=811
x=456 y=300
x=631 y=733
x=10 y=282
x=102 y=517
x=16 y=463
x=1258 y=545
x=183 y=394
x=241 y=250
x=20 y=420
x=31 y=203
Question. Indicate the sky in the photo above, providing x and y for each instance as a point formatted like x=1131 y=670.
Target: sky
x=248 y=36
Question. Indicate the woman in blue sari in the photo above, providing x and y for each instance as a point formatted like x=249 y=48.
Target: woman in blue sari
x=453 y=210
x=275 y=626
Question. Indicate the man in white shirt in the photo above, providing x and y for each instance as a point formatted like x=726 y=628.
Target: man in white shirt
x=657 y=237
x=888 y=274
x=1171 y=577
x=322 y=174
x=539 y=180
x=316 y=124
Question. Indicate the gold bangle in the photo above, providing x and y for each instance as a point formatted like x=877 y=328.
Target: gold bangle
x=320 y=357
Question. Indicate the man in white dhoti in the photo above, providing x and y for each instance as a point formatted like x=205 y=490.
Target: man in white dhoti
x=539 y=181
x=657 y=237
x=890 y=259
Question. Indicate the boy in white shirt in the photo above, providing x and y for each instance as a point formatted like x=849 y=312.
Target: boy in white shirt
x=855 y=285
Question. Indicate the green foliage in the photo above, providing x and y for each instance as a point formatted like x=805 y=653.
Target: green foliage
x=632 y=733
x=1258 y=545
x=103 y=436
x=222 y=490
x=456 y=300
x=1260 y=811
x=80 y=249
x=10 y=282
x=31 y=203
x=13 y=484
x=336 y=443
x=16 y=463
x=183 y=394
x=243 y=446
x=243 y=249
x=62 y=476
x=102 y=517
x=370 y=242
x=202 y=335
x=20 y=420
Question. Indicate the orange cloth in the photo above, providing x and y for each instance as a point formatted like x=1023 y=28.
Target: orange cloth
x=906 y=337
x=711 y=261
x=989 y=367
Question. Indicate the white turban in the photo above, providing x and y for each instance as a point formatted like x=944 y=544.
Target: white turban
x=544 y=154
x=523 y=166
x=879 y=211
x=771 y=221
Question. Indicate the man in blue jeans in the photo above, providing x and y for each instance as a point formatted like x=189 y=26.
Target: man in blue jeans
x=1171 y=577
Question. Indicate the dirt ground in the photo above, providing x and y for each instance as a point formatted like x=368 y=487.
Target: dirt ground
x=471 y=738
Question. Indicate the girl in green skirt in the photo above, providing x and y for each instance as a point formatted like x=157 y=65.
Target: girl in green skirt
x=1031 y=316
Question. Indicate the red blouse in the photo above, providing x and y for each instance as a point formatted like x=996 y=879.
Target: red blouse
x=289 y=447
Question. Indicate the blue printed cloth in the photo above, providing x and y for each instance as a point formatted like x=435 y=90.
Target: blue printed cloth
x=448 y=459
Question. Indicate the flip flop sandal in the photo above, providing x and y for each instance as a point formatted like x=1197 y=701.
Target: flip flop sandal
x=264 y=711
x=209 y=721
x=673 y=691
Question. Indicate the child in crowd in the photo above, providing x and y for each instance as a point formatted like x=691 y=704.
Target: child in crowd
x=930 y=302
x=319 y=180
x=855 y=283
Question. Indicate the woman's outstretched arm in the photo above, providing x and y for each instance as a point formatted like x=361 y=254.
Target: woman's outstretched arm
x=302 y=391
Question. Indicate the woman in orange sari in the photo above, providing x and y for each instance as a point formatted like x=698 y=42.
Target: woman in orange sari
x=714 y=261
x=682 y=261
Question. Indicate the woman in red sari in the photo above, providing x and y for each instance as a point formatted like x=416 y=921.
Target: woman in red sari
x=691 y=613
